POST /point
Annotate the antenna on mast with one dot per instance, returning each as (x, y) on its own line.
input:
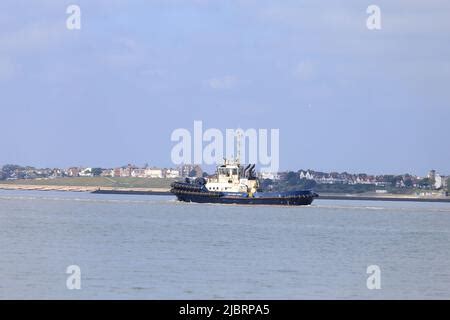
(239, 138)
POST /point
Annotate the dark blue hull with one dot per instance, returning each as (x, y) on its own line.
(200, 195)
(252, 201)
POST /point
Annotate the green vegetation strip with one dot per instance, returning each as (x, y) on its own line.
(119, 182)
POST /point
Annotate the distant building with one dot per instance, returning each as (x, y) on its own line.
(107, 173)
(187, 169)
(269, 175)
(55, 173)
(306, 175)
(138, 173)
(116, 172)
(126, 171)
(86, 172)
(432, 174)
(439, 181)
(73, 172)
(171, 173)
(153, 173)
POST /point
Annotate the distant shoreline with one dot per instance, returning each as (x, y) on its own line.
(166, 192)
(383, 198)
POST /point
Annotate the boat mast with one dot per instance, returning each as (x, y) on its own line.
(238, 136)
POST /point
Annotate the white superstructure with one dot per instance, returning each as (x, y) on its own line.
(232, 177)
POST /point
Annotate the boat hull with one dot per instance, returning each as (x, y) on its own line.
(293, 198)
(247, 201)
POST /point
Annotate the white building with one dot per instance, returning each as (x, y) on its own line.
(153, 173)
(306, 175)
(172, 173)
(138, 173)
(438, 181)
(269, 175)
(86, 172)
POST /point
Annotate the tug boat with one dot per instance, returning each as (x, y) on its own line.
(235, 184)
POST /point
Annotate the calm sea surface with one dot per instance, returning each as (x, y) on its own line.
(153, 247)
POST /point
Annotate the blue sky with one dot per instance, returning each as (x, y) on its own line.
(345, 98)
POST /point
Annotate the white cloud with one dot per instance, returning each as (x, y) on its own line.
(222, 83)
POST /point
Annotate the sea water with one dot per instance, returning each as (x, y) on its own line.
(154, 247)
